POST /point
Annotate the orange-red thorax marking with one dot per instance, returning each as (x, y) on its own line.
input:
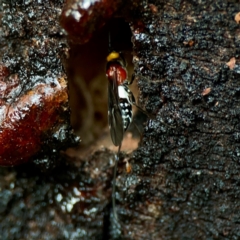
(116, 72)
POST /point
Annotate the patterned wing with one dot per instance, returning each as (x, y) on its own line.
(115, 120)
(126, 99)
(126, 110)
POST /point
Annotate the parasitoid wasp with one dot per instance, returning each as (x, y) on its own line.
(120, 114)
(120, 101)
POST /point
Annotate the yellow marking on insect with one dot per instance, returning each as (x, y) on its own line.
(113, 55)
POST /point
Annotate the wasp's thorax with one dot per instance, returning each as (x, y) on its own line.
(116, 68)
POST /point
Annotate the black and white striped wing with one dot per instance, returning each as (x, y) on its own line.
(126, 110)
(115, 120)
(126, 100)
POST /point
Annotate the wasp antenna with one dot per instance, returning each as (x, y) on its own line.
(114, 185)
(109, 43)
(132, 79)
(143, 111)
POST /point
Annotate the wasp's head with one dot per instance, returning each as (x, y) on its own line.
(116, 57)
(116, 68)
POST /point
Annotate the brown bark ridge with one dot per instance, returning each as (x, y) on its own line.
(185, 181)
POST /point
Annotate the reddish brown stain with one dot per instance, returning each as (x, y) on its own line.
(206, 91)
(231, 63)
(82, 19)
(190, 43)
(153, 8)
(24, 121)
(237, 18)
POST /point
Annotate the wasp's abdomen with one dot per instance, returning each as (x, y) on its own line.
(126, 109)
(125, 105)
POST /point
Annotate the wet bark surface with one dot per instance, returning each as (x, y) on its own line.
(184, 182)
(33, 85)
(188, 175)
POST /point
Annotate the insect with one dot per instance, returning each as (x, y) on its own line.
(120, 114)
(120, 101)
(120, 97)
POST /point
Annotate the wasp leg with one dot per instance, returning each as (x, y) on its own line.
(133, 102)
(143, 111)
(140, 133)
(151, 116)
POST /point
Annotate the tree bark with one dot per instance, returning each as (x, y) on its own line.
(185, 180)
(187, 169)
